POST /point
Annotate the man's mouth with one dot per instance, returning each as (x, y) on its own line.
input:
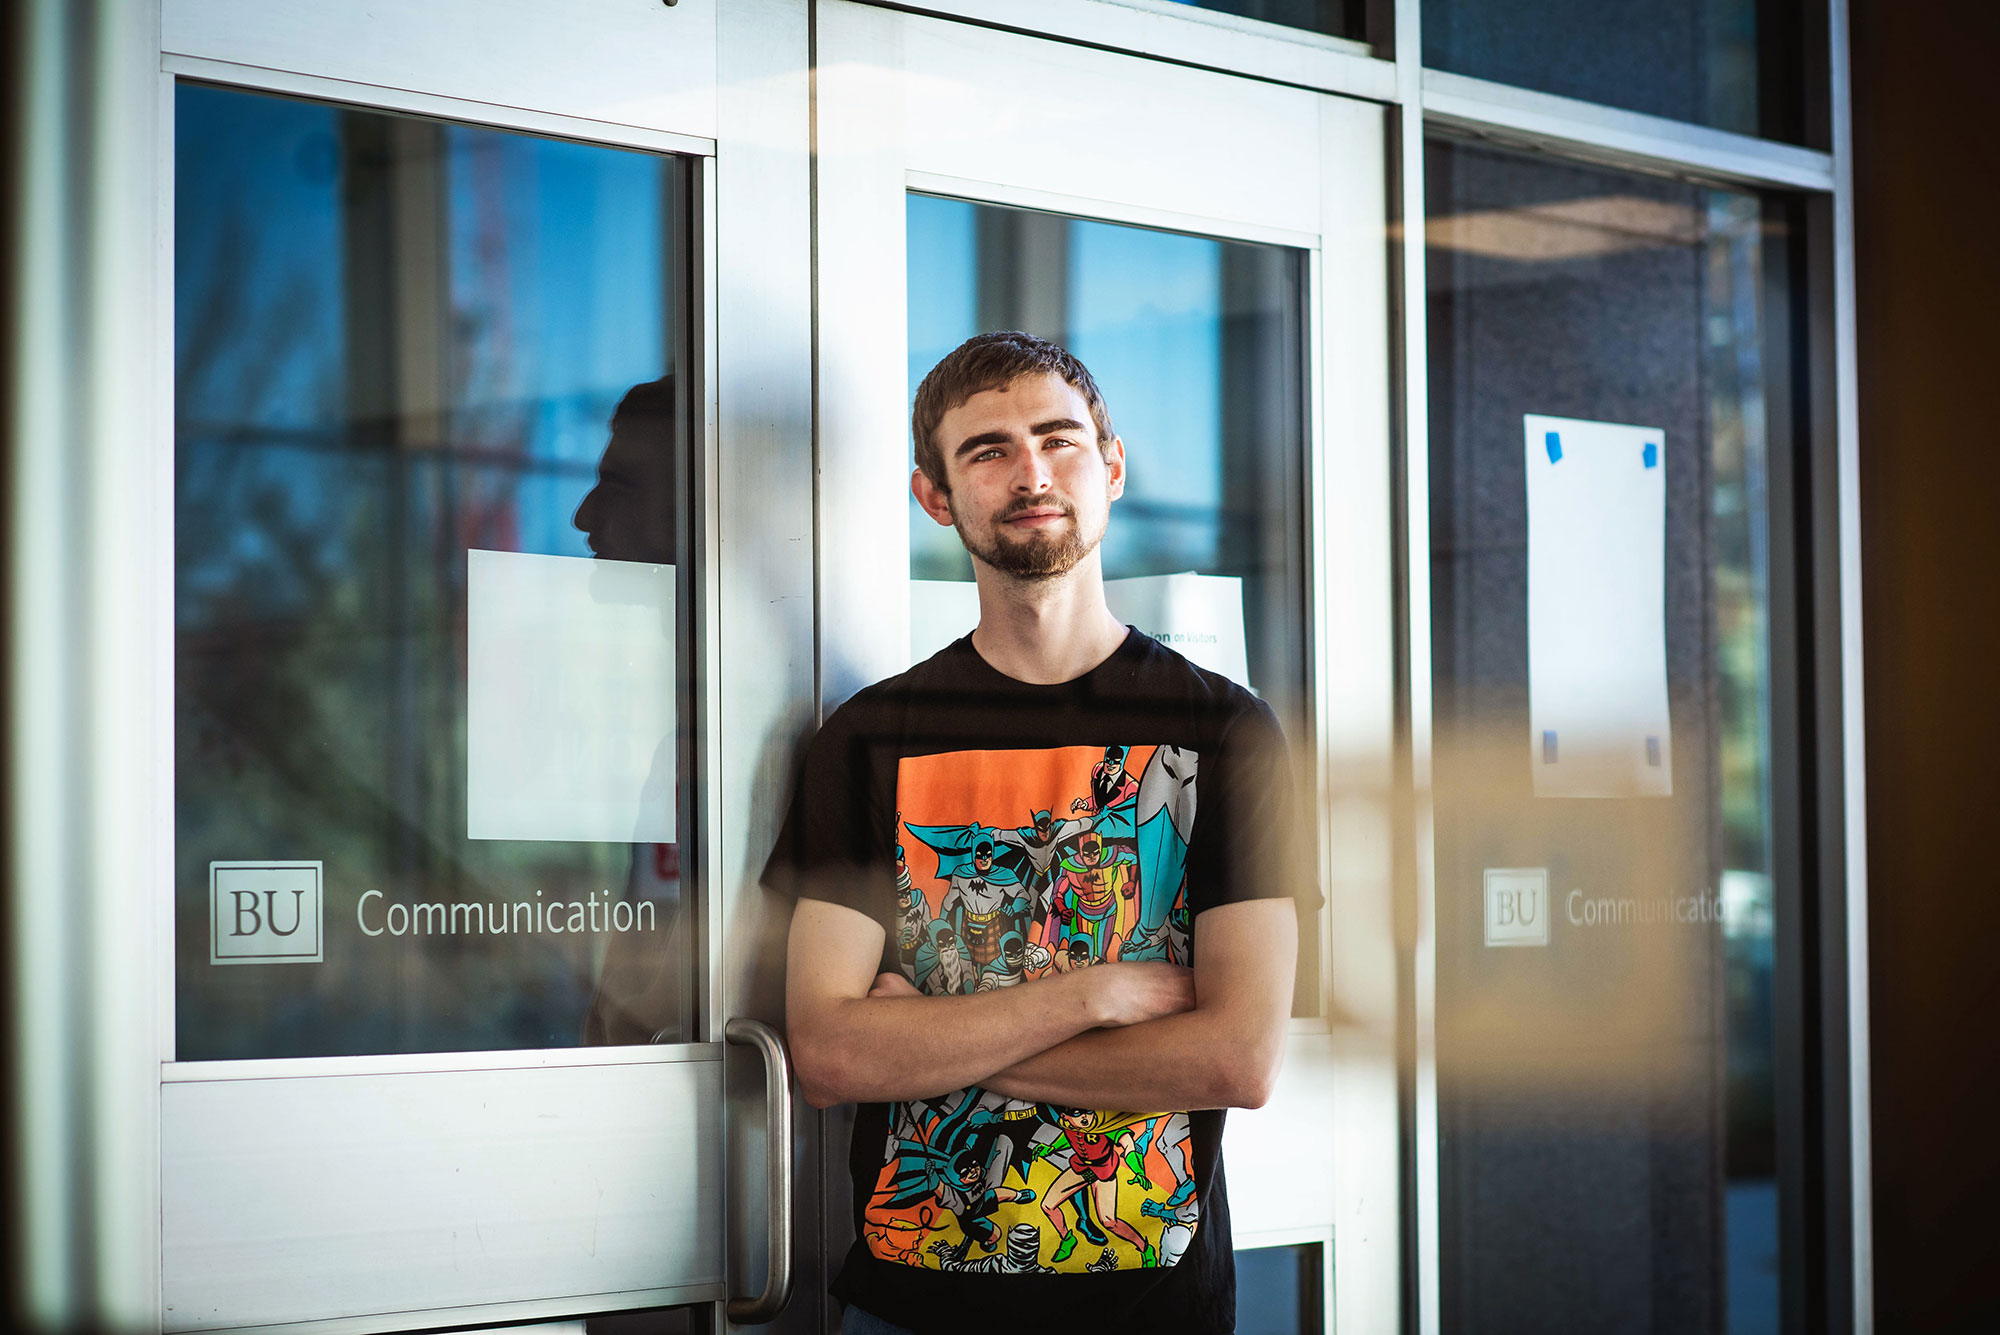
(1039, 516)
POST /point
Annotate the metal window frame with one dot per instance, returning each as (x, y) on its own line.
(1837, 1266)
(88, 700)
(1357, 1110)
(694, 253)
(1183, 35)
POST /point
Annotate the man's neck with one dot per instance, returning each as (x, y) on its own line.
(1046, 631)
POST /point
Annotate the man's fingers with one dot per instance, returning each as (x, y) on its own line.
(892, 985)
(1178, 993)
(1140, 991)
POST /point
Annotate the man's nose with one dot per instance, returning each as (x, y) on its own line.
(586, 517)
(1033, 474)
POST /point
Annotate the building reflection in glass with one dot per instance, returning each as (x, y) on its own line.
(399, 342)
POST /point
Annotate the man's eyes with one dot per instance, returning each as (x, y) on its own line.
(996, 452)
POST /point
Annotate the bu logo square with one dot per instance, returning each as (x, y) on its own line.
(1517, 906)
(265, 913)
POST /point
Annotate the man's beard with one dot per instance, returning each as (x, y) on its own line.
(1040, 556)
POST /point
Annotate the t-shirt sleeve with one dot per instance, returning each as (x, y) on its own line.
(833, 843)
(1249, 836)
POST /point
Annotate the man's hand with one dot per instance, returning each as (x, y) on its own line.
(893, 985)
(859, 1036)
(1133, 993)
(1224, 1053)
(1120, 994)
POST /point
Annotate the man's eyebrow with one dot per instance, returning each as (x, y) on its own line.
(985, 438)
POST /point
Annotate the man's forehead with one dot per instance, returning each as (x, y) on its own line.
(1016, 405)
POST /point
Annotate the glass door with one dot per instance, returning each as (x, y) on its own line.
(453, 968)
(1621, 872)
(1215, 250)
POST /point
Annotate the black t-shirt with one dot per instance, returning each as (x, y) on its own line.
(1000, 830)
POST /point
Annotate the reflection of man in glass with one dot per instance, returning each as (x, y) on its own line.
(631, 515)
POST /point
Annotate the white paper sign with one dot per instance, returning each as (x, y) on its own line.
(1597, 652)
(569, 699)
(1200, 617)
(941, 610)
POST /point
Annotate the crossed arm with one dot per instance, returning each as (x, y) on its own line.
(1122, 1035)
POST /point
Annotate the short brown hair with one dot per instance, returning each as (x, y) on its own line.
(989, 361)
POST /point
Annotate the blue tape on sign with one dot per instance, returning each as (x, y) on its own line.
(1554, 441)
(1653, 752)
(1652, 455)
(1549, 748)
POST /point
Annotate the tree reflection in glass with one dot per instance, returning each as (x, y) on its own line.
(398, 342)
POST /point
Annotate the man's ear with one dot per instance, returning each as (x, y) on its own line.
(935, 500)
(1114, 468)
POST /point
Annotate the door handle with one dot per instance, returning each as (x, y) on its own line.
(777, 1171)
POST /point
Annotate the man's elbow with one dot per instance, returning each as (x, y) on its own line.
(823, 1075)
(821, 1088)
(1247, 1089)
(1249, 1074)
(819, 1096)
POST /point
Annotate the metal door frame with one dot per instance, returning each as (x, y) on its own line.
(744, 84)
(908, 103)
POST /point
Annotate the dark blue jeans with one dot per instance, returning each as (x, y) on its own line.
(857, 1322)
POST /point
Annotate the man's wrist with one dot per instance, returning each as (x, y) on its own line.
(1088, 996)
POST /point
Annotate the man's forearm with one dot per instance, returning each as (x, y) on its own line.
(862, 1043)
(1223, 1053)
(1199, 1059)
(874, 1049)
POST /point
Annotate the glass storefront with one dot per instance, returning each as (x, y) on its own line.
(1736, 65)
(432, 589)
(1611, 378)
(472, 752)
(1198, 346)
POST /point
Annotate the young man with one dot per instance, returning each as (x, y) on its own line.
(1070, 1106)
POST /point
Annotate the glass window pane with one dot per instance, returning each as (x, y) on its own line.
(1278, 1290)
(1198, 346)
(1610, 385)
(1737, 65)
(431, 586)
(1336, 18)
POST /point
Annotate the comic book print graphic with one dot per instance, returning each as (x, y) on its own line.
(1010, 865)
